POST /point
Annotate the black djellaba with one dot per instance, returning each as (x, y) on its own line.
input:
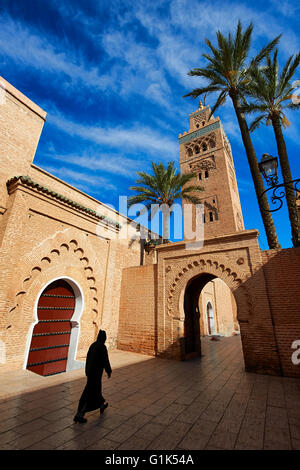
(96, 361)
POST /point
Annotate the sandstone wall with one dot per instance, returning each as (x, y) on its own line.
(282, 273)
(138, 322)
(44, 240)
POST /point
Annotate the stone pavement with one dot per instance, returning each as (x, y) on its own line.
(157, 404)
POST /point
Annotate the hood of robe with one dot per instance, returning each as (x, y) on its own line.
(101, 338)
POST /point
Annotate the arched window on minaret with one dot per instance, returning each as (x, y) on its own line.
(197, 150)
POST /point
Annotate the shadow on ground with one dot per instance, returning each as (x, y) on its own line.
(209, 402)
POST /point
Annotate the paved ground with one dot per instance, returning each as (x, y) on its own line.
(205, 403)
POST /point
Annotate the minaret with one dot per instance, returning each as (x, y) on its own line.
(205, 150)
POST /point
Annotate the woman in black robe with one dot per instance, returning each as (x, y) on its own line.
(96, 361)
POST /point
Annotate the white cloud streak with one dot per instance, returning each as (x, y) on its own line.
(92, 180)
(125, 139)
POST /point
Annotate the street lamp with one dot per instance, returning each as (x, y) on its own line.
(268, 166)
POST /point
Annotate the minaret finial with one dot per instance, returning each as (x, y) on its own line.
(200, 105)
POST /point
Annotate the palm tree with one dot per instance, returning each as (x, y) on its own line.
(163, 188)
(272, 94)
(227, 73)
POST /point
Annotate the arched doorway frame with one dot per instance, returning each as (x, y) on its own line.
(193, 268)
(72, 363)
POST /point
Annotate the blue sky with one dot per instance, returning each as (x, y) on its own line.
(111, 76)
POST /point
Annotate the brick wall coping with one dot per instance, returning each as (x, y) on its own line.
(232, 237)
(27, 181)
(22, 98)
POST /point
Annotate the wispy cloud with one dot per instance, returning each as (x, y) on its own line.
(110, 163)
(137, 137)
(47, 55)
(78, 177)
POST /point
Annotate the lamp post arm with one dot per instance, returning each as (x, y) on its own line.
(277, 197)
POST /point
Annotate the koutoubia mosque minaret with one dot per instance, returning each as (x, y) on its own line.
(205, 150)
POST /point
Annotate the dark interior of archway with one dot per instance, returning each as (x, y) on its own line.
(192, 314)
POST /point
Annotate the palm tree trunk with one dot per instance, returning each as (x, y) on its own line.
(256, 176)
(165, 209)
(287, 177)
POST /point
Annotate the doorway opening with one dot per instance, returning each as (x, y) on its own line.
(209, 310)
(210, 319)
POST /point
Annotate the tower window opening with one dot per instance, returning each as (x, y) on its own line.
(197, 150)
(211, 217)
(200, 176)
(204, 147)
(203, 123)
(206, 174)
(203, 218)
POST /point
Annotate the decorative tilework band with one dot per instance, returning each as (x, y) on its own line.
(199, 132)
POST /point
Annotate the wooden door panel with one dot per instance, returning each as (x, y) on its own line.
(51, 335)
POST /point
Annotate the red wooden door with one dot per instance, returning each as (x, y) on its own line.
(49, 346)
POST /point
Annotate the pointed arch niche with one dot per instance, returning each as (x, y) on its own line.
(43, 357)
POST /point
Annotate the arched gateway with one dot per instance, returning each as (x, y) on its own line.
(195, 315)
(186, 297)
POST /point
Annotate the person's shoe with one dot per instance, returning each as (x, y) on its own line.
(103, 407)
(79, 419)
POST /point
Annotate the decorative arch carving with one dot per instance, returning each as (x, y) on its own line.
(195, 268)
(51, 258)
(201, 144)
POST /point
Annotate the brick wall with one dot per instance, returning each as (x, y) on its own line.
(282, 274)
(137, 319)
(21, 123)
(44, 240)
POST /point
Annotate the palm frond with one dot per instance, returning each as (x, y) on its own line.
(288, 72)
(201, 91)
(256, 122)
(221, 100)
(293, 106)
(250, 108)
(265, 51)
